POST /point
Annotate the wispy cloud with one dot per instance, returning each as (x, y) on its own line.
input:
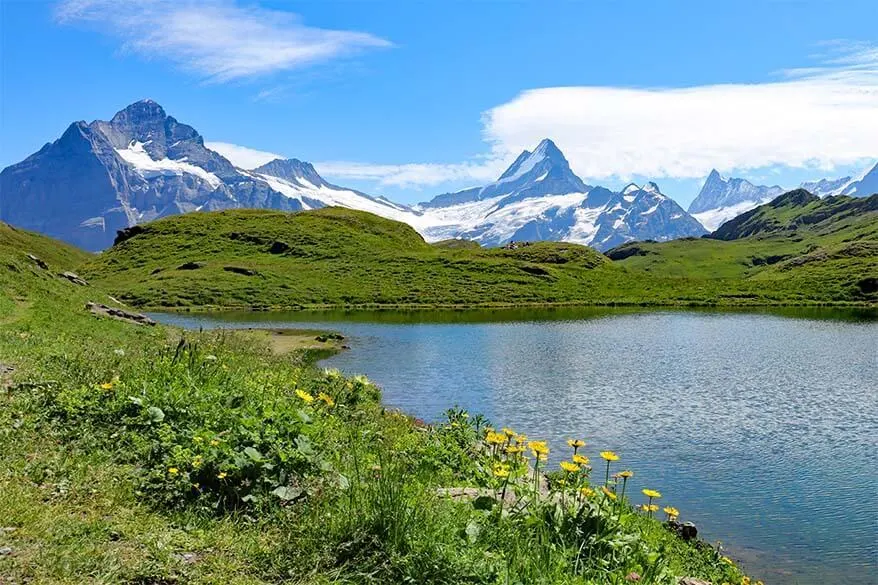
(218, 40)
(816, 118)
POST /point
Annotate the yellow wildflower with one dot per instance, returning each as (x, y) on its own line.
(627, 474)
(569, 467)
(609, 493)
(501, 470)
(539, 447)
(197, 461)
(609, 456)
(196, 486)
(520, 439)
(514, 449)
(727, 561)
(576, 443)
(197, 439)
(651, 494)
(586, 492)
(304, 396)
(671, 512)
(106, 386)
(495, 438)
(173, 470)
(580, 459)
(214, 443)
(221, 475)
(508, 432)
(326, 399)
(745, 580)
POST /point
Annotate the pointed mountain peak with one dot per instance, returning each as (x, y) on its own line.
(630, 188)
(546, 155)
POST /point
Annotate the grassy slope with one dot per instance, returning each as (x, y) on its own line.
(810, 249)
(123, 450)
(335, 257)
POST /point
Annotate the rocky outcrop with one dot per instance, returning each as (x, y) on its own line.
(119, 314)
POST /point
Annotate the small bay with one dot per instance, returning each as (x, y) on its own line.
(761, 427)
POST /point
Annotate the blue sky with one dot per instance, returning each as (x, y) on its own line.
(410, 99)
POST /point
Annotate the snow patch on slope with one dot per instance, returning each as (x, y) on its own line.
(137, 157)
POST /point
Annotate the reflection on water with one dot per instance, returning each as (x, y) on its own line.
(760, 427)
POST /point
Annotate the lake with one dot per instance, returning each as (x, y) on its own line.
(762, 428)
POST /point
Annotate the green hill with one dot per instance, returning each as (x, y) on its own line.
(336, 256)
(809, 247)
(340, 257)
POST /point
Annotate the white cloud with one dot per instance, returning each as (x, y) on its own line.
(216, 39)
(241, 156)
(821, 117)
(818, 118)
(413, 174)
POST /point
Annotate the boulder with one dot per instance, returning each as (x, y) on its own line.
(191, 265)
(119, 314)
(74, 278)
(38, 262)
(240, 270)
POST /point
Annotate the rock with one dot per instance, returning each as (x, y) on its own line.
(474, 494)
(278, 247)
(693, 581)
(5, 550)
(38, 262)
(8, 529)
(688, 531)
(632, 576)
(191, 265)
(128, 317)
(240, 270)
(74, 278)
(128, 233)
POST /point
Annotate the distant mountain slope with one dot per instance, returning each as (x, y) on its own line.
(721, 199)
(141, 165)
(540, 198)
(862, 186)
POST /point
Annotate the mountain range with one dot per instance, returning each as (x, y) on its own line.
(104, 176)
(722, 199)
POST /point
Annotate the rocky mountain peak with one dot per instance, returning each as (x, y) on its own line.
(293, 170)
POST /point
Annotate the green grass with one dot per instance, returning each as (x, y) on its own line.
(336, 257)
(146, 455)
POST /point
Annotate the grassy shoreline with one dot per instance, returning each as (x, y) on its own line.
(154, 456)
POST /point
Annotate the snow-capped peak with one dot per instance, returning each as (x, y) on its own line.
(630, 188)
(651, 187)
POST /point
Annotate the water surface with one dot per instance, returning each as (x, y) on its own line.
(762, 428)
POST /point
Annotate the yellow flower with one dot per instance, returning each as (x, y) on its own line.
(576, 443)
(221, 475)
(197, 439)
(609, 456)
(326, 398)
(173, 470)
(495, 438)
(197, 461)
(514, 449)
(610, 494)
(508, 432)
(304, 396)
(196, 486)
(727, 561)
(652, 494)
(501, 470)
(652, 508)
(671, 511)
(214, 443)
(539, 447)
(627, 474)
(569, 467)
(520, 439)
(580, 459)
(745, 580)
(107, 386)
(586, 492)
